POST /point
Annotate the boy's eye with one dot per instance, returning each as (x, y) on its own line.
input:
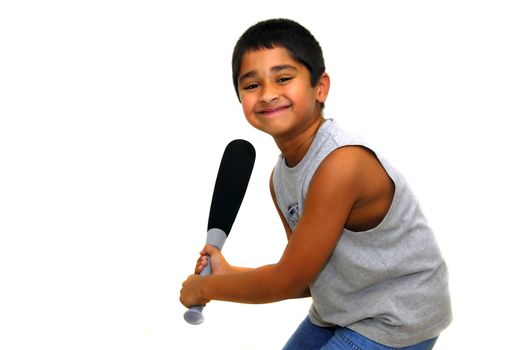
(251, 86)
(283, 79)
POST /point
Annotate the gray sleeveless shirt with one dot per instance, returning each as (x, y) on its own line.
(388, 283)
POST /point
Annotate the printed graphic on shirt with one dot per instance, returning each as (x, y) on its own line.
(293, 215)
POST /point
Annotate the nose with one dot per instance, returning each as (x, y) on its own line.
(269, 93)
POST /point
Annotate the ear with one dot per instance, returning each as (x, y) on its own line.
(322, 88)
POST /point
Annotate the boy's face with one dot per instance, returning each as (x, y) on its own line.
(276, 93)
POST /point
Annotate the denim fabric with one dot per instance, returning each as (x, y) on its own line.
(311, 337)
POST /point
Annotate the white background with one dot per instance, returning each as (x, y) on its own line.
(113, 119)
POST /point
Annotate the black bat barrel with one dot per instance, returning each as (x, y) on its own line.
(231, 183)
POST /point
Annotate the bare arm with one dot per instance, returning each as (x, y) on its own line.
(332, 194)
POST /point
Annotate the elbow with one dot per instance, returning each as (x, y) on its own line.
(292, 284)
(298, 289)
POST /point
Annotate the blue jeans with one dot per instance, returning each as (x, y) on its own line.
(311, 337)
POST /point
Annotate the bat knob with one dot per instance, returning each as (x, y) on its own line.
(194, 315)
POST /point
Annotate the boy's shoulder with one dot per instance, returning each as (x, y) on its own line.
(333, 138)
(342, 136)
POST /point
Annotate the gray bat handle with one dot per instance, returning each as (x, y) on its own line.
(215, 237)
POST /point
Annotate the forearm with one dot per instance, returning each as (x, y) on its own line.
(265, 284)
(236, 269)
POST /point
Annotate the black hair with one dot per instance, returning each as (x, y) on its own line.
(280, 32)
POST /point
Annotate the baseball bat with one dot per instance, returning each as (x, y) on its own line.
(231, 183)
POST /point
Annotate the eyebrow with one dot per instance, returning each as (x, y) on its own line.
(274, 69)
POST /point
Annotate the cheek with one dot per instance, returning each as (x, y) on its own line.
(303, 98)
(300, 91)
(247, 102)
(247, 108)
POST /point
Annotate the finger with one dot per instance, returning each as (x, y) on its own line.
(210, 250)
(200, 259)
(206, 249)
(202, 262)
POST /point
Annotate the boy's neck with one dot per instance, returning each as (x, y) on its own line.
(294, 149)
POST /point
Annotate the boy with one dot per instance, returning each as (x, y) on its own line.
(357, 240)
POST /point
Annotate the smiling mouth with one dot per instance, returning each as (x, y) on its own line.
(272, 111)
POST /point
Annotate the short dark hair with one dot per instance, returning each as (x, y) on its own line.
(280, 32)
